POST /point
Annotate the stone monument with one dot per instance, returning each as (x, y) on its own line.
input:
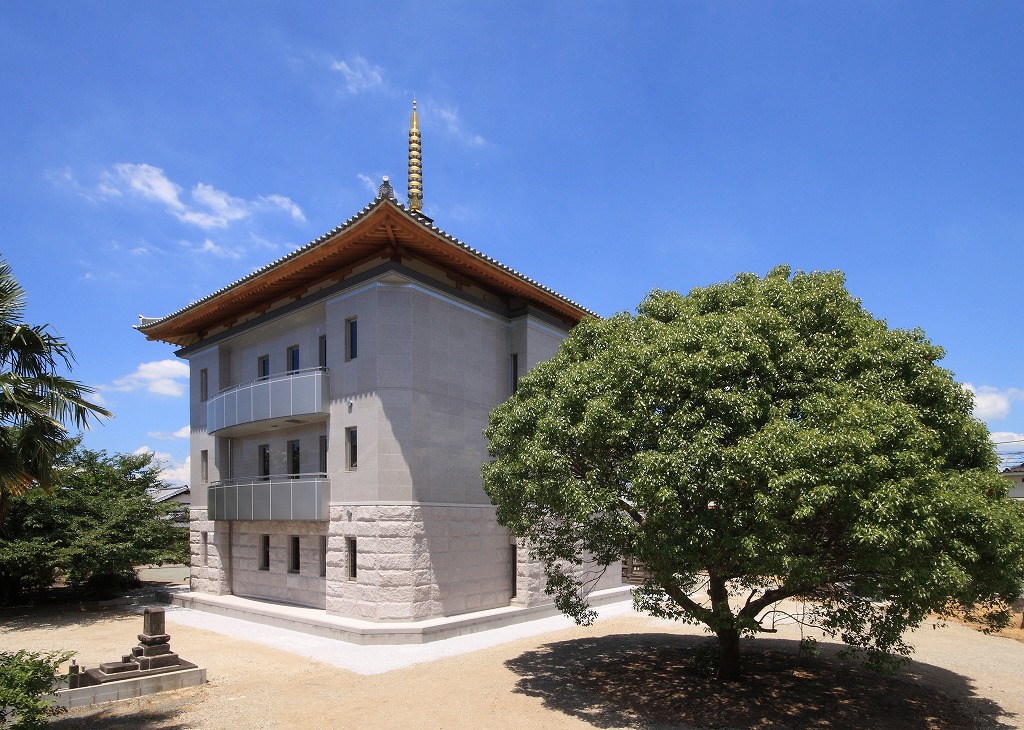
(152, 656)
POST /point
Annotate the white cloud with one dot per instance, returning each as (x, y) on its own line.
(992, 404)
(369, 183)
(215, 250)
(207, 207)
(359, 75)
(145, 181)
(160, 377)
(449, 115)
(171, 471)
(182, 433)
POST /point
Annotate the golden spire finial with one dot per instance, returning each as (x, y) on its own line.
(415, 163)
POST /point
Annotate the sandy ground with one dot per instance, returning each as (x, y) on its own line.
(268, 680)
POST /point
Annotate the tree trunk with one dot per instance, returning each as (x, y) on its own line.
(728, 655)
(725, 629)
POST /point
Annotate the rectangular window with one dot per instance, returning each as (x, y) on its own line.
(264, 457)
(294, 461)
(514, 559)
(204, 466)
(323, 454)
(204, 541)
(322, 350)
(323, 555)
(515, 373)
(204, 385)
(350, 545)
(293, 358)
(264, 552)
(294, 557)
(351, 339)
(262, 367)
(351, 449)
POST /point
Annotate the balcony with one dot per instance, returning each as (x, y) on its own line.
(287, 399)
(276, 497)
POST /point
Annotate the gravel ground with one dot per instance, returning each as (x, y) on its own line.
(269, 678)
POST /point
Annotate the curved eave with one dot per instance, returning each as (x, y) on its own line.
(383, 228)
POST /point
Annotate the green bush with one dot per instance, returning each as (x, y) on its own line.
(26, 678)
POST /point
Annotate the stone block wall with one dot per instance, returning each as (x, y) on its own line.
(417, 562)
(305, 588)
(209, 546)
(531, 579)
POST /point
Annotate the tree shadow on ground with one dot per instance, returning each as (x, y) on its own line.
(63, 618)
(160, 711)
(646, 680)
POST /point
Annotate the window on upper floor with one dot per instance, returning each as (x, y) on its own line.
(351, 449)
(262, 367)
(264, 460)
(515, 372)
(294, 459)
(322, 351)
(351, 339)
(204, 384)
(293, 358)
(323, 454)
(204, 466)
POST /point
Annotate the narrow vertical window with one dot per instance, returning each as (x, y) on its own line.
(204, 540)
(262, 367)
(323, 555)
(264, 457)
(322, 350)
(351, 449)
(264, 552)
(351, 339)
(293, 358)
(204, 384)
(204, 466)
(323, 454)
(294, 460)
(294, 557)
(515, 372)
(513, 559)
(350, 544)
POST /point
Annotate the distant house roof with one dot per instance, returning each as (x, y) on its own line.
(1019, 469)
(162, 495)
(384, 227)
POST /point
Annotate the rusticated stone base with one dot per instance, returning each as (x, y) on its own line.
(417, 562)
(413, 562)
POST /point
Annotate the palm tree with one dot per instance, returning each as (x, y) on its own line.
(35, 402)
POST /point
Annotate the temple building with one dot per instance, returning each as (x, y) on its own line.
(338, 397)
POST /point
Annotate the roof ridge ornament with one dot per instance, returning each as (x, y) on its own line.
(415, 163)
(386, 191)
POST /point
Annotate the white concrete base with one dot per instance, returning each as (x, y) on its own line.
(318, 623)
(127, 688)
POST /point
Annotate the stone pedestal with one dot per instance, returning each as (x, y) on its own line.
(153, 655)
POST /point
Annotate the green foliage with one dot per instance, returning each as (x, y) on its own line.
(25, 679)
(97, 523)
(765, 438)
(35, 401)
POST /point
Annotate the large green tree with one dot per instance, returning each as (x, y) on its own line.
(36, 401)
(765, 438)
(98, 522)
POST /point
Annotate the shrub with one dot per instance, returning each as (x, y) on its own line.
(26, 678)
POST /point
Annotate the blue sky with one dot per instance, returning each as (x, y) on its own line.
(151, 153)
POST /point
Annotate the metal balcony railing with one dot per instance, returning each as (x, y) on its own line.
(274, 497)
(284, 395)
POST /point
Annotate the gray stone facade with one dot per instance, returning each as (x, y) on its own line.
(393, 444)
